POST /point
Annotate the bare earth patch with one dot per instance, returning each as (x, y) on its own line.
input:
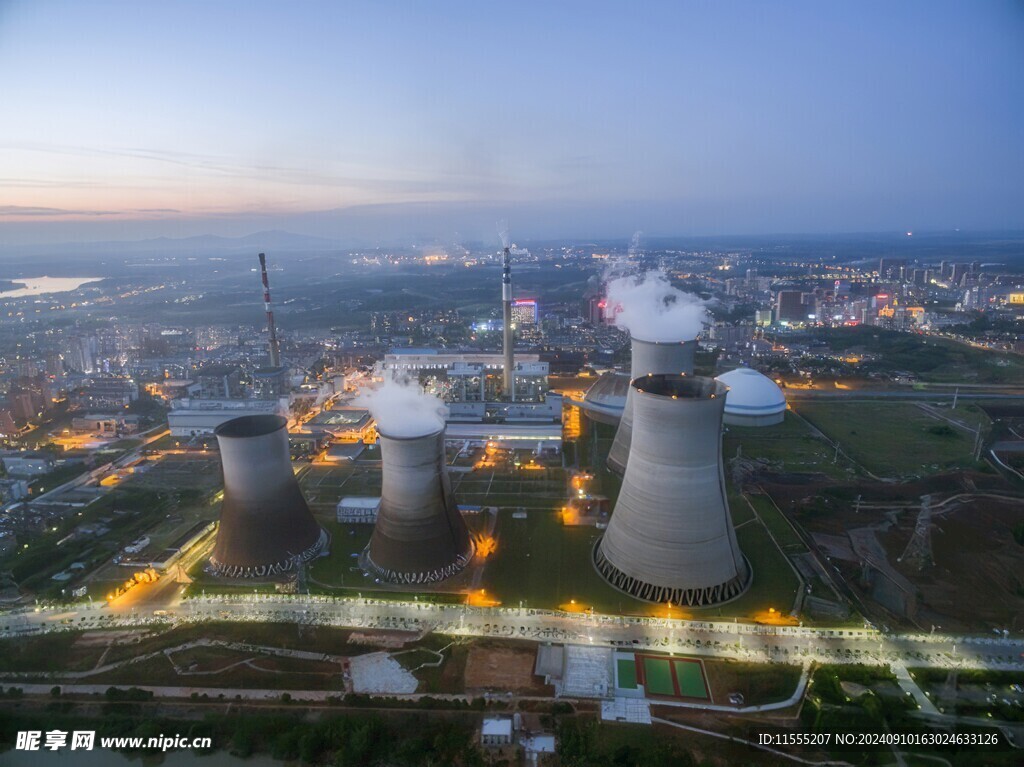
(504, 668)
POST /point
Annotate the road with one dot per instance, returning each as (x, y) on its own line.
(751, 642)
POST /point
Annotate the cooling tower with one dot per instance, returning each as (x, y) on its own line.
(265, 525)
(419, 536)
(670, 538)
(648, 357)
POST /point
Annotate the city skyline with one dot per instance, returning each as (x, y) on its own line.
(387, 123)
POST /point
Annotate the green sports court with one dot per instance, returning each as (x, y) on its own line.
(668, 677)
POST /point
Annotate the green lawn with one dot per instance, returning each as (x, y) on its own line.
(337, 569)
(547, 565)
(658, 677)
(790, 446)
(739, 509)
(626, 673)
(775, 584)
(543, 489)
(690, 678)
(777, 524)
(890, 438)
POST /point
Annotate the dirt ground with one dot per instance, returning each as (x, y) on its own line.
(976, 580)
(504, 668)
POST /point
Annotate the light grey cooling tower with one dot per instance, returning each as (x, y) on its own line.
(648, 357)
(266, 527)
(420, 536)
(670, 538)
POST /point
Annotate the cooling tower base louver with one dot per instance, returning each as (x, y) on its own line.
(277, 568)
(648, 592)
(432, 576)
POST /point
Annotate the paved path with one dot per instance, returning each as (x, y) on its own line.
(907, 684)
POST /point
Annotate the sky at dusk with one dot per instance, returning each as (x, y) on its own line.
(382, 121)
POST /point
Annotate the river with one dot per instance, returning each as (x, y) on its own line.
(37, 286)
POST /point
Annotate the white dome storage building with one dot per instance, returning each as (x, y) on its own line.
(753, 399)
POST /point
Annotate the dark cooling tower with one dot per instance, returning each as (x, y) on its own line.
(419, 537)
(670, 538)
(265, 525)
(648, 357)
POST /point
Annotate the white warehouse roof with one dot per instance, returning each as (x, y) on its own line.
(751, 393)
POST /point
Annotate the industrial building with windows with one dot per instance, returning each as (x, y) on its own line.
(190, 417)
(468, 377)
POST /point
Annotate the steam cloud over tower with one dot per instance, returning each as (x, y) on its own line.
(419, 536)
(670, 538)
(663, 322)
(266, 527)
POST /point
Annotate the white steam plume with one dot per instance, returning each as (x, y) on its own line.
(403, 409)
(636, 246)
(506, 241)
(652, 310)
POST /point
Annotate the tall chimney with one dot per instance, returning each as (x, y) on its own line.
(506, 310)
(275, 349)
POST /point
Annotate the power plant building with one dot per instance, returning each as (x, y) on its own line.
(191, 417)
(419, 535)
(753, 399)
(266, 528)
(469, 377)
(357, 510)
(670, 537)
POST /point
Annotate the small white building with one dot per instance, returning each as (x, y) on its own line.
(496, 731)
(354, 509)
(753, 399)
(537, 744)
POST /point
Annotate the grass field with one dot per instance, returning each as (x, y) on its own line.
(340, 568)
(891, 438)
(757, 682)
(775, 583)
(739, 509)
(626, 677)
(777, 525)
(326, 484)
(672, 677)
(658, 677)
(790, 445)
(690, 679)
(547, 565)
